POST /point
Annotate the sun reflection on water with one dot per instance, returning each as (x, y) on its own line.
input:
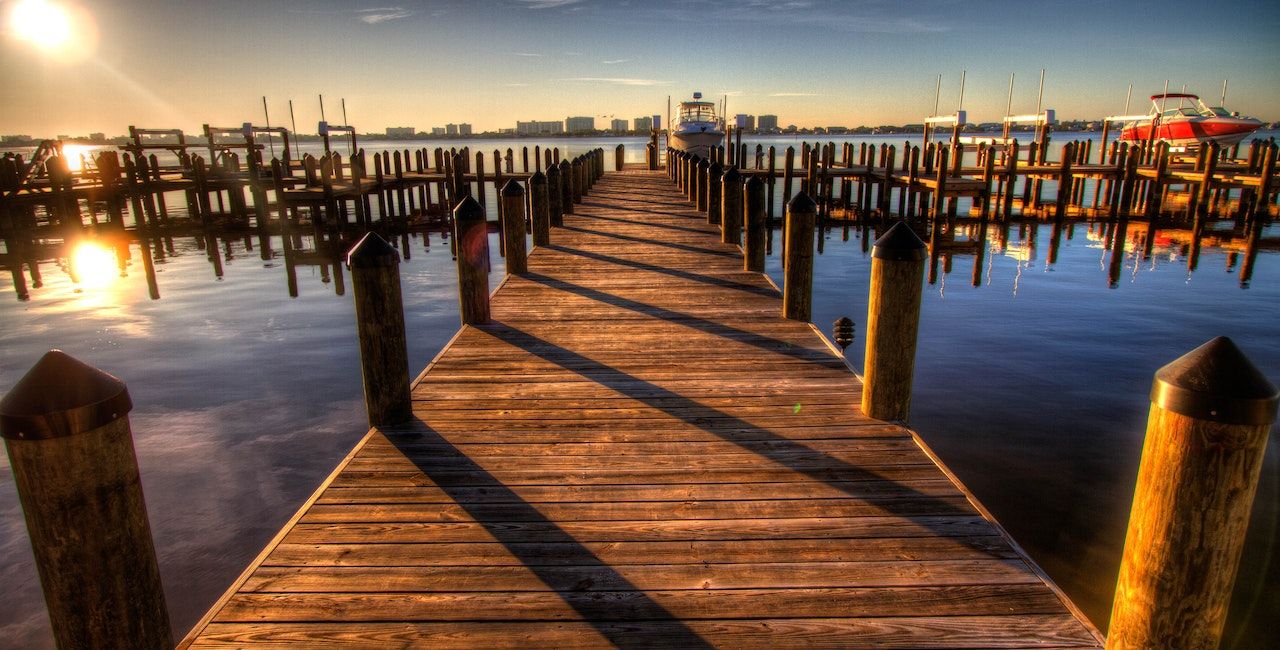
(93, 266)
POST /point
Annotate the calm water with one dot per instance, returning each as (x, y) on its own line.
(1032, 386)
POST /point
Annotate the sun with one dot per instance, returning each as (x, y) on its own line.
(46, 25)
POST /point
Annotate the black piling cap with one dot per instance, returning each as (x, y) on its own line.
(703, 163)
(802, 203)
(61, 396)
(716, 169)
(372, 251)
(843, 329)
(754, 183)
(564, 164)
(538, 178)
(1218, 383)
(731, 175)
(512, 188)
(469, 208)
(899, 244)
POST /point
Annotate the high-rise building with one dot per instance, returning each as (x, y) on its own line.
(539, 128)
(767, 123)
(643, 124)
(744, 122)
(451, 129)
(401, 132)
(464, 129)
(657, 121)
(579, 124)
(437, 130)
(618, 126)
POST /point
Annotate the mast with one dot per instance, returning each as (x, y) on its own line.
(267, 116)
(1008, 106)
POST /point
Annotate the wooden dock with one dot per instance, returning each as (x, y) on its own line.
(638, 450)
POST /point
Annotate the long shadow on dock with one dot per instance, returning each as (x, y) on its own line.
(647, 224)
(945, 518)
(573, 570)
(609, 259)
(652, 242)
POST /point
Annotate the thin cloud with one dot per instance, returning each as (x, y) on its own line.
(526, 54)
(382, 14)
(547, 4)
(515, 85)
(795, 94)
(614, 61)
(732, 93)
(618, 81)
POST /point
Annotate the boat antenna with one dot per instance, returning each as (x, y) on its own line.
(1184, 91)
(668, 120)
(322, 108)
(1008, 107)
(1223, 101)
(936, 95)
(1040, 97)
(960, 107)
(1164, 97)
(344, 112)
(292, 121)
(267, 116)
(1128, 96)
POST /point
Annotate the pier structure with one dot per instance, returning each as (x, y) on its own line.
(638, 439)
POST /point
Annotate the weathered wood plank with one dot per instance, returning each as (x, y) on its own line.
(638, 450)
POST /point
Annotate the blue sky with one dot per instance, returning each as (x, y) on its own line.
(490, 62)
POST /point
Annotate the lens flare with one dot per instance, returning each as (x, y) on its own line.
(62, 32)
(93, 265)
(44, 24)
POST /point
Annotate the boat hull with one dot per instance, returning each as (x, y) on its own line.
(699, 142)
(1191, 133)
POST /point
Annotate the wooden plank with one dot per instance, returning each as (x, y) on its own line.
(638, 450)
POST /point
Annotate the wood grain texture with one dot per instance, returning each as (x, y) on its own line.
(638, 450)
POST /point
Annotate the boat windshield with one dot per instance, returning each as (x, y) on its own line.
(697, 112)
(1180, 112)
(1216, 111)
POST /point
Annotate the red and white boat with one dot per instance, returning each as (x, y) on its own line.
(1189, 123)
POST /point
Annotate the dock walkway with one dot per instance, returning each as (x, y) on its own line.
(638, 450)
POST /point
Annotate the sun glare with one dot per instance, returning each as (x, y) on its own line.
(43, 23)
(93, 265)
(65, 31)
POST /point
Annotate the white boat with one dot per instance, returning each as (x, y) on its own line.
(1189, 126)
(697, 128)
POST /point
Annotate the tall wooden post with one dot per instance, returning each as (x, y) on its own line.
(513, 218)
(730, 199)
(471, 236)
(1211, 412)
(731, 202)
(554, 192)
(704, 179)
(541, 217)
(715, 204)
(566, 188)
(66, 427)
(756, 239)
(797, 288)
(579, 180)
(384, 356)
(893, 321)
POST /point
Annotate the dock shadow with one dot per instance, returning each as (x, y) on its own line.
(558, 560)
(653, 242)
(786, 452)
(676, 273)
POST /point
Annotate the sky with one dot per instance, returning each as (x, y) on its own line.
(424, 63)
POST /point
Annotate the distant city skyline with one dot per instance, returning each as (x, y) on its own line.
(492, 63)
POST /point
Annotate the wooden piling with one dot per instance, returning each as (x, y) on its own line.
(715, 205)
(753, 252)
(555, 193)
(731, 213)
(566, 188)
(797, 289)
(65, 425)
(893, 322)
(471, 236)
(541, 217)
(384, 356)
(619, 157)
(1211, 413)
(513, 233)
(700, 188)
